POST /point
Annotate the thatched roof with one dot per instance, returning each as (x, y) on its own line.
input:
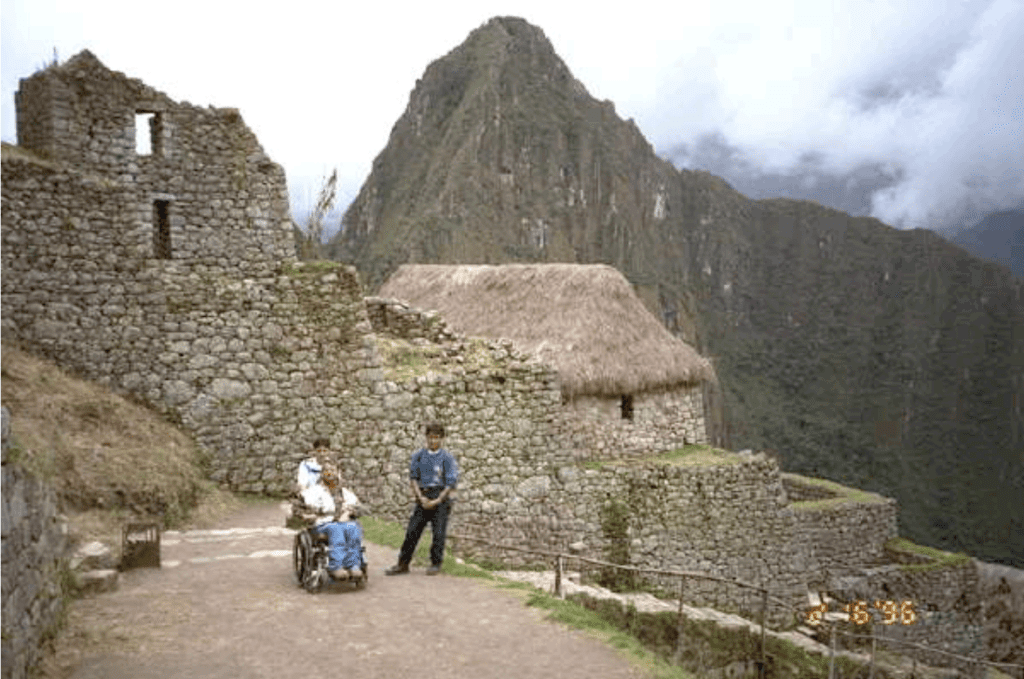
(583, 320)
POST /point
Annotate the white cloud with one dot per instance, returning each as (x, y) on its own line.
(928, 88)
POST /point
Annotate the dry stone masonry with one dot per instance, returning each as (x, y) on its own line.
(169, 273)
(35, 551)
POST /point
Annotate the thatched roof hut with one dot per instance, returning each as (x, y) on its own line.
(584, 320)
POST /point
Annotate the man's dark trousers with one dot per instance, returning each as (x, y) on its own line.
(438, 520)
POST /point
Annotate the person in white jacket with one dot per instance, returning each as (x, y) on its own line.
(319, 496)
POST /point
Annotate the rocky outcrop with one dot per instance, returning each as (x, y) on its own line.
(858, 352)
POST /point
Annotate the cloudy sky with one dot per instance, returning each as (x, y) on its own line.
(911, 111)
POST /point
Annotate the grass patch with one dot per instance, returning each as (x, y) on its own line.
(703, 647)
(99, 450)
(842, 494)
(312, 268)
(403, 360)
(939, 559)
(692, 455)
(572, 613)
(392, 534)
(14, 152)
(698, 455)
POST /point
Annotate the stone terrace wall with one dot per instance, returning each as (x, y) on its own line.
(946, 600)
(846, 530)
(726, 519)
(35, 553)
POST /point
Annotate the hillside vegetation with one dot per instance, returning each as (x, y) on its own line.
(108, 458)
(882, 359)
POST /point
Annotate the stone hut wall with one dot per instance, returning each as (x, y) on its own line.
(660, 421)
(35, 556)
(594, 427)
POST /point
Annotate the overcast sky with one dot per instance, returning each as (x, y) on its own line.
(911, 111)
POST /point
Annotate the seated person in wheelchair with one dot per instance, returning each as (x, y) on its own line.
(318, 492)
(345, 539)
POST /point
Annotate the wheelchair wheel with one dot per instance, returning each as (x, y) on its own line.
(316, 575)
(302, 557)
(361, 583)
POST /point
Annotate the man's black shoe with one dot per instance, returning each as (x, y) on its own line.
(433, 570)
(397, 569)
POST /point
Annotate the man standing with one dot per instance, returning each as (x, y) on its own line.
(433, 475)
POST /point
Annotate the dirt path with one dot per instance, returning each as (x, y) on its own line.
(225, 605)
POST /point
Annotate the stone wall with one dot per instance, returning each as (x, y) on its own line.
(845, 529)
(944, 595)
(197, 307)
(254, 366)
(224, 202)
(727, 518)
(659, 421)
(35, 554)
(255, 354)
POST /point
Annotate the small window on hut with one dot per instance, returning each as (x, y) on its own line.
(626, 407)
(148, 133)
(161, 229)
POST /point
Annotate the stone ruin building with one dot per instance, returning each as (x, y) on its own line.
(630, 385)
(167, 271)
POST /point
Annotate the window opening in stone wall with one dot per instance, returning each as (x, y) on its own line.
(161, 229)
(626, 407)
(148, 133)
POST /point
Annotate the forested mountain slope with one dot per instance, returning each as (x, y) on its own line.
(889, 360)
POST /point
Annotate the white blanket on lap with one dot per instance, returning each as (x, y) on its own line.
(319, 499)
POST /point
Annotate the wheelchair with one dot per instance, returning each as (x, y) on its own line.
(310, 558)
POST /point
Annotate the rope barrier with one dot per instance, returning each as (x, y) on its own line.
(560, 557)
(931, 649)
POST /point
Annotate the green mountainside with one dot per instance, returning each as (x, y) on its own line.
(887, 360)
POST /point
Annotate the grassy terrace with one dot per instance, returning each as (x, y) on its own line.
(841, 494)
(938, 558)
(403, 360)
(694, 455)
(312, 268)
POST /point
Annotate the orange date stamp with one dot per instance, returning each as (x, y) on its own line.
(860, 613)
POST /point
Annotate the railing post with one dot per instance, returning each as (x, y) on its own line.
(871, 671)
(832, 652)
(558, 577)
(764, 617)
(679, 622)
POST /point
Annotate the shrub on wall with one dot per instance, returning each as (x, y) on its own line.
(615, 528)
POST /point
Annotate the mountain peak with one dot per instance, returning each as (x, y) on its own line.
(468, 169)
